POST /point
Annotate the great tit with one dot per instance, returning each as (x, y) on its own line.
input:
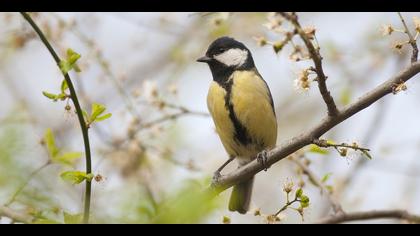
(242, 109)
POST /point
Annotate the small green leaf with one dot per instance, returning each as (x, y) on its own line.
(64, 86)
(97, 109)
(68, 158)
(50, 95)
(104, 117)
(65, 66)
(316, 149)
(326, 177)
(75, 177)
(72, 56)
(72, 218)
(367, 154)
(50, 142)
(70, 63)
(61, 96)
(304, 201)
(299, 193)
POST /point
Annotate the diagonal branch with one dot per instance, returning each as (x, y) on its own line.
(369, 215)
(280, 152)
(412, 41)
(317, 59)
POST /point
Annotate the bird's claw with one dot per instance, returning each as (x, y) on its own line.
(216, 176)
(262, 158)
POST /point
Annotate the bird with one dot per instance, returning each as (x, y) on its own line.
(242, 108)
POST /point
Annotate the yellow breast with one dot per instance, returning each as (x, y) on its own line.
(250, 100)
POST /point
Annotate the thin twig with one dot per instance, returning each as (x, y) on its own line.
(369, 215)
(336, 206)
(317, 59)
(325, 144)
(78, 111)
(412, 40)
(28, 179)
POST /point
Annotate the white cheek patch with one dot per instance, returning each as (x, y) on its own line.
(232, 57)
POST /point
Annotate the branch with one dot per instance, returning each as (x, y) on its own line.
(336, 206)
(14, 215)
(280, 152)
(79, 113)
(317, 59)
(412, 41)
(369, 215)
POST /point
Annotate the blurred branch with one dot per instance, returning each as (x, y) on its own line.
(280, 152)
(79, 112)
(28, 179)
(412, 41)
(14, 215)
(317, 59)
(369, 215)
(336, 206)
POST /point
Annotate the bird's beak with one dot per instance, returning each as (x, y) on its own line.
(204, 59)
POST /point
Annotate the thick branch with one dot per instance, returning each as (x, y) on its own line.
(79, 112)
(306, 138)
(317, 59)
(14, 215)
(369, 215)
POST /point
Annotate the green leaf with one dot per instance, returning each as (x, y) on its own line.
(68, 158)
(72, 218)
(50, 142)
(70, 63)
(64, 86)
(72, 56)
(75, 177)
(304, 201)
(50, 95)
(61, 96)
(97, 109)
(104, 117)
(326, 177)
(367, 154)
(65, 66)
(298, 193)
(316, 149)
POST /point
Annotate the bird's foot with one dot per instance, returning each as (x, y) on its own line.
(262, 158)
(216, 176)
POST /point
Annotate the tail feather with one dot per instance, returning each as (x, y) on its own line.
(240, 198)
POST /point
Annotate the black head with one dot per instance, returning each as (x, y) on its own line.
(226, 53)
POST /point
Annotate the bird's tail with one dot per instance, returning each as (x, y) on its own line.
(240, 197)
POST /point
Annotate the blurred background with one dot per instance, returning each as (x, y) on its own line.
(160, 144)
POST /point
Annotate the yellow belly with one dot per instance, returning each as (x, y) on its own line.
(252, 106)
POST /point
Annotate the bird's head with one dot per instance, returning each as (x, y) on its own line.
(228, 53)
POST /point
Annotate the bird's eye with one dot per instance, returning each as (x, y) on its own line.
(221, 50)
